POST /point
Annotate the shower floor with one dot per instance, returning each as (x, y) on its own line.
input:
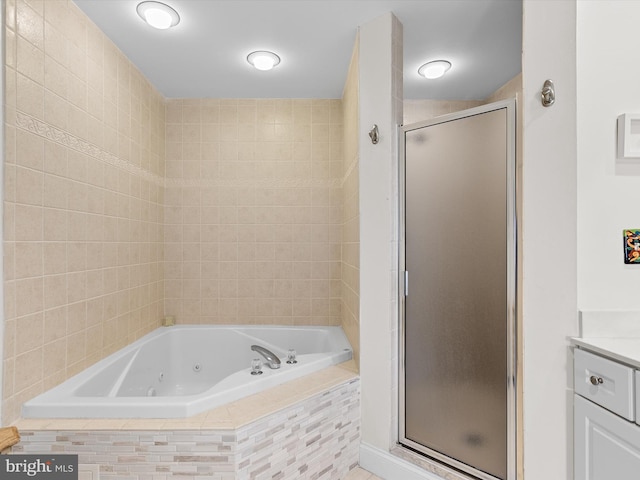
(473, 431)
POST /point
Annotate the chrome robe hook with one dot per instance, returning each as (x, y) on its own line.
(373, 134)
(548, 94)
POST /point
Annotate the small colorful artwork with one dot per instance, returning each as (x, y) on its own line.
(631, 246)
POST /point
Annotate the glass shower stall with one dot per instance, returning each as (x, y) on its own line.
(458, 290)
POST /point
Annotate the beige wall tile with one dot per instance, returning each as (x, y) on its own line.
(55, 44)
(55, 324)
(54, 257)
(29, 96)
(28, 369)
(29, 332)
(236, 232)
(28, 258)
(75, 217)
(28, 223)
(29, 150)
(54, 355)
(30, 24)
(30, 60)
(31, 186)
(349, 287)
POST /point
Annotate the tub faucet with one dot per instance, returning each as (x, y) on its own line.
(272, 359)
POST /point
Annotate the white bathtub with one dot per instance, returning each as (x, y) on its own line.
(180, 371)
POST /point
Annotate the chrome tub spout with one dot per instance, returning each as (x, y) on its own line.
(271, 358)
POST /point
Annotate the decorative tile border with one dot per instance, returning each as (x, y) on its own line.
(54, 134)
(317, 437)
(42, 129)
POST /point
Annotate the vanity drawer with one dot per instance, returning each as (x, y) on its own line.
(604, 382)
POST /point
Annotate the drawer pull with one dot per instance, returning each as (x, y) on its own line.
(595, 380)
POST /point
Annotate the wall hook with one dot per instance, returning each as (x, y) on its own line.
(373, 134)
(548, 94)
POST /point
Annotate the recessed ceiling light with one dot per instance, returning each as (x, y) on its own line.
(158, 15)
(263, 60)
(435, 69)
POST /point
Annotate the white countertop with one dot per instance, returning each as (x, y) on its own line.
(624, 350)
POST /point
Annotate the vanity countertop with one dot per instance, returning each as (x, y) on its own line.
(624, 350)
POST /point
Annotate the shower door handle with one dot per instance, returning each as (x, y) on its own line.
(405, 286)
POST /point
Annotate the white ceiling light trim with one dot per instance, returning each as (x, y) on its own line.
(158, 15)
(435, 69)
(263, 60)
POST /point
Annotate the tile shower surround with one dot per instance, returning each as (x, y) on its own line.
(83, 199)
(242, 223)
(350, 306)
(253, 211)
(317, 437)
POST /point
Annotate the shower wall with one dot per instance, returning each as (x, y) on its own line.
(420, 110)
(511, 89)
(253, 211)
(351, 208)
(83, 216)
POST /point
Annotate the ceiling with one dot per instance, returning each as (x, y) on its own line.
(204, 56)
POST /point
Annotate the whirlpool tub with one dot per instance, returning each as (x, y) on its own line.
(180, 371)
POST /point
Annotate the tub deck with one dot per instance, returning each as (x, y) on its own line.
(306, 428)
(230, 416)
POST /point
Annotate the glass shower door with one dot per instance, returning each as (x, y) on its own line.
(458, 238)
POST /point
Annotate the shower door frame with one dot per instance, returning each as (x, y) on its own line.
(512, 276)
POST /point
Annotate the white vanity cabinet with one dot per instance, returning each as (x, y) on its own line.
(606, 447)
(606, 435)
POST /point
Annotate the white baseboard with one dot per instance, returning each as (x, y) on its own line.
(389, 467)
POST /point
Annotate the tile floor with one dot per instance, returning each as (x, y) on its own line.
(361, 474)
